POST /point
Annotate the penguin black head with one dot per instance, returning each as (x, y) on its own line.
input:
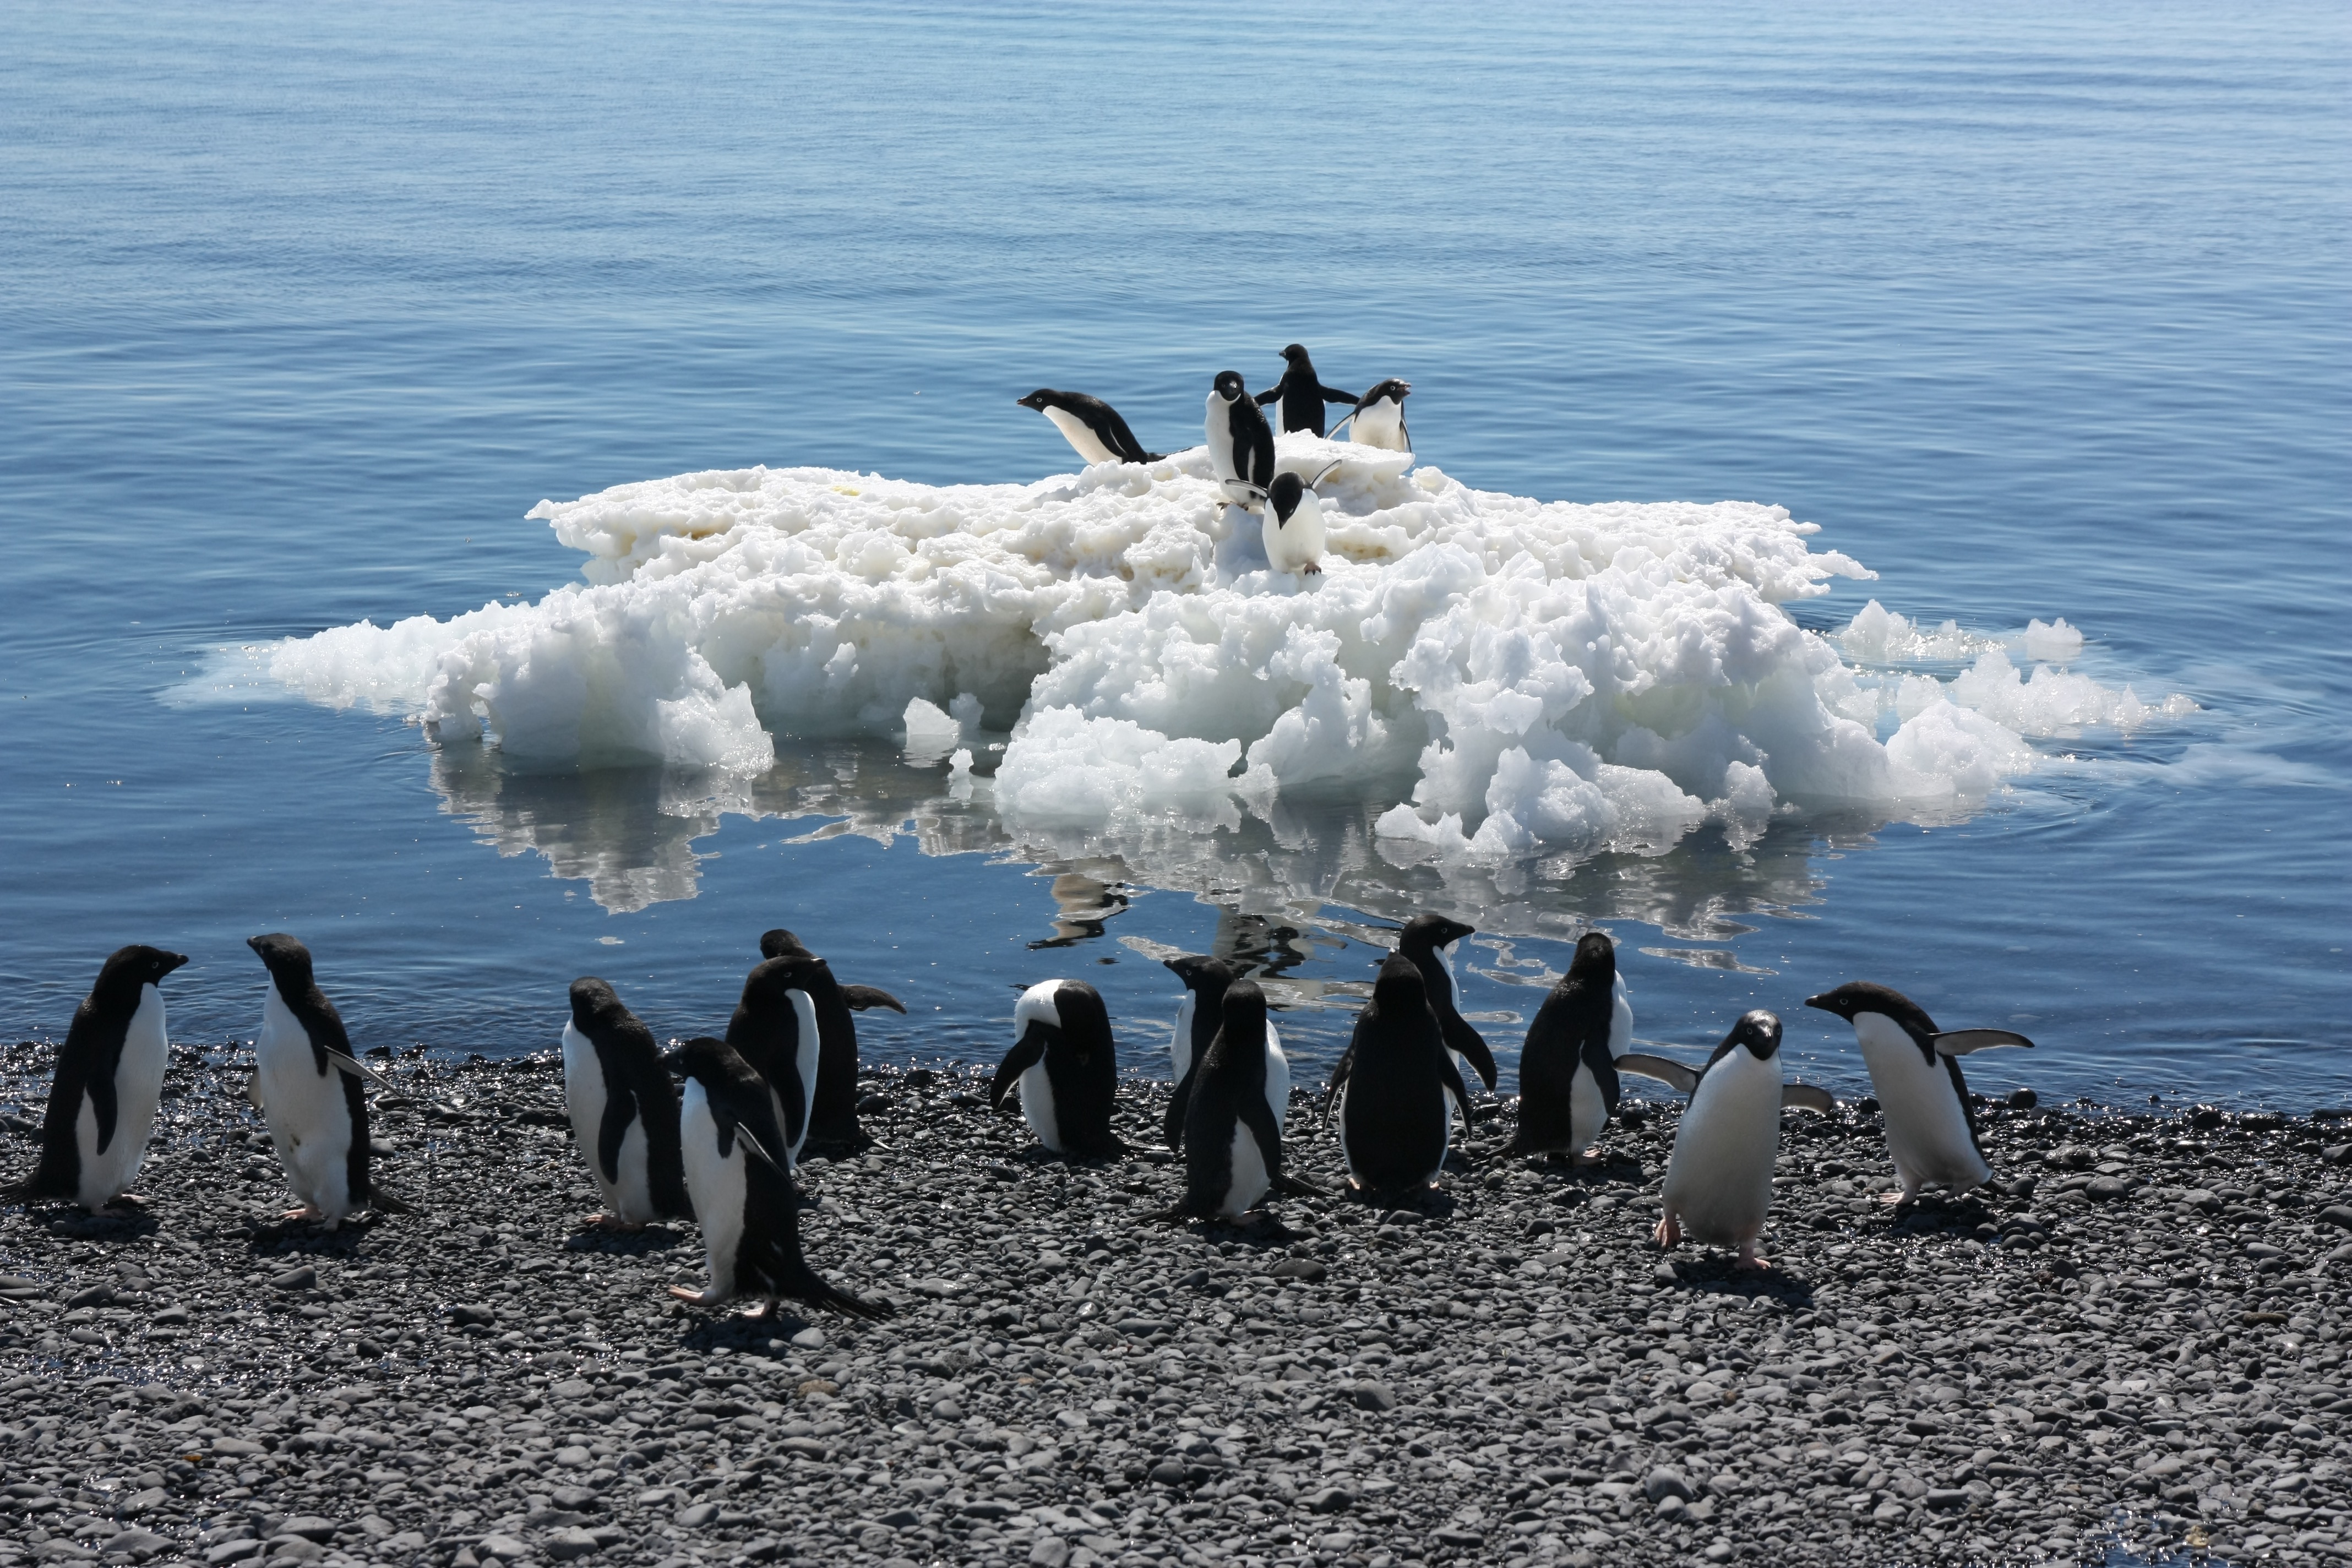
(709, 1061)
(1391, 388)
(1297, 354)
(1040, 400)
(1429, 932)
(1596, 958)
(781, 943)
(772, 980)
(1228, 384)
(288, 961)
(129, 968)
(1862, 996)
(1244, 1011)
(1284, 493)
(1202, 973)
(1399, 987)
(1759, 1032)
(594, 1003)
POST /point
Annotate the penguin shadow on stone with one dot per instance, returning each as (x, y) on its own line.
(1721, 1275)
(119, 1224)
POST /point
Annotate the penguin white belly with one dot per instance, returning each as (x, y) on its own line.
(1621, 1019)
(1927, 1127)
(1037, 1107)
(1179, 1046)
(308, 1121)
(1081, 436)
(1218, 435)
(1719, 1177)
(1379, 424)
(1249, 1181)
(1277, 1079)
(584, 1097)
(633, 1202)
(107, 1174)
(716, 1185)
(804, 1014)
(1588, 1113)
(1295, 545)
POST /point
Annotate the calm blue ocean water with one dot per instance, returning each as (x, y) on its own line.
(2038, 313)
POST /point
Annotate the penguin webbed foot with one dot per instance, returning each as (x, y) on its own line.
(1669, 1232)
(1311, 570)
(698, 1298)
(1752, 1258)
(124, 1200)
(306, 1213)
(607, 1222)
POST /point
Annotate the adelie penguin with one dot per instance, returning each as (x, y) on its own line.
(1915, 1069)
(624, 1111)
(1428, 941)
(1240, 445)
(1719, 1185)
(1294, 527)
(1232, 1139)
(1302, 392)
(1390, 1089)
(308, 1085)
(109, 1077)
(1378, 417)
(1199, 1017)
(1568, 1067)
(1062, 1061)
(742, 1195)
(833, 1105)
(1092, 427)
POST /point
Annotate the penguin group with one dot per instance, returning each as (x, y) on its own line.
(712, 1130)
(1240, 444)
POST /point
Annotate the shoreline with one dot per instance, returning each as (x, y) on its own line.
(2137, 1341)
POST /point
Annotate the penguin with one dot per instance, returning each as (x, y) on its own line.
(1294, 527)
(729, 1146)
(1198, 1018)
(1378, 417)
(774, 1029)
(1241, 446)
(1425, 941)
(1389, 1088)
(1718, 1185)
(309, 1086)
(832, 1108)
(1568, 1067)
(1915, 1069)
(109, 1077)
(624, 1111)
(1302, 392)
(1064, 1063)
(1232, 1139)
(1090, 426)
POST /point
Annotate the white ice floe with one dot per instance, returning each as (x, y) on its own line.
(1543, 675)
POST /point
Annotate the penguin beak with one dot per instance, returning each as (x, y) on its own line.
(1822, 1000)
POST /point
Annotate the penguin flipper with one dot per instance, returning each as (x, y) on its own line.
(620, 1110)
(1339, 1076)
(1026, 1053)
(1473, 1046)
(1458, 1090)
(99, 1088)
(352, 1065)
(1179, 1103)
(864, 998)
(1256, 1115)
(384, 1203)
(1960, 1042)
(1298, 1187)
(1667, 1072)
(1808, 1097)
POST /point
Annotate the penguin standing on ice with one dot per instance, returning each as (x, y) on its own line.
(109, 1078)
(308, 1085)
(1428, 941)
(624, 1111)
(1390, 1087)
(1241, 446)
(1915, 1070)
(1294, 527)
(1718, 1185)
(1378, 417)
(1302, 392)
(742, 1195)
(1092, 427)
(1232, 1139)
(1198, 1019)
(832, 1104)
(1568, 1069)
(1062, 1060)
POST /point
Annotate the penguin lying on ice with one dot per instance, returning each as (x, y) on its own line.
(109, 1078)
(624, 1111)
(1231, 1137)
(1093, 428)
(1568, 1067)
(1915, 1069)
(1066, 1066)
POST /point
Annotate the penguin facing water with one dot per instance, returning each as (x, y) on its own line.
(1240, 445)
(1568, 1067)
(1065, 1065)
(308, 1085)
(1294, 527)
(742, 1193)
(832, 1104)
(1427, 941)
(1389, 1090)
(1092, 427)
(624, 1111)
(1719, 1185)
(109, 1078)
(1232, 1139)
(1302, 392)
(1915, 1069)
(1199, 1017)
(1378, 417)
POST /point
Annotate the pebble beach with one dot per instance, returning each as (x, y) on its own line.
(2136, 1343)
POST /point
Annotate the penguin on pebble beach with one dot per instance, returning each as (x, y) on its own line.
(1199, 1017)
(1915, 1069)
(1065, 1065)
(1389, 1092)
(774, 1030)
(309, 1086)
(1568, 1067)
(1302, 392)
(832, 1103)
(1718, 1185)
(1240, 445)
(1426, 940)
(1232, 1139)
(1093, 428)
(742, 1194)
(108, 1081)
(624, 1111)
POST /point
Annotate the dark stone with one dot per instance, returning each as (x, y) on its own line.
(1663, 1483)
(1330, 1499)
(301, 1277)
